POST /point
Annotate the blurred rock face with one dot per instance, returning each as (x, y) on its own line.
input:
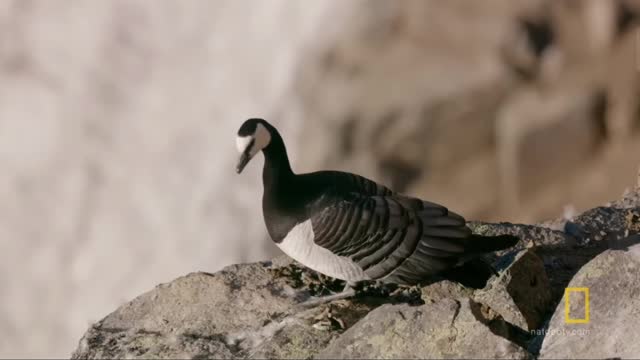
(117, 123)
(409, 86)
(498, 109)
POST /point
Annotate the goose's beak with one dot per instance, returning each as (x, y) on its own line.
(243, 161)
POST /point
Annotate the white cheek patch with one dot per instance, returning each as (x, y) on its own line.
(261, 140)
(242, 142)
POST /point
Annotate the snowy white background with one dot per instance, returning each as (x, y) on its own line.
(117, 130)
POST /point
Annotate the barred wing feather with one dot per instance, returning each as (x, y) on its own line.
(392, 237)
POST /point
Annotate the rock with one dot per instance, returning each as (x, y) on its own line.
(229, 314)
(444, 329)
(521, 293)
(530, 235)
(444, 289)
(630, 199)
(250, 310)
(614, 299)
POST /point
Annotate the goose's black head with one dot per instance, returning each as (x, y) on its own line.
(254, 135)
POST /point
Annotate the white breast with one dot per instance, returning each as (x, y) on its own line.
(299, 245)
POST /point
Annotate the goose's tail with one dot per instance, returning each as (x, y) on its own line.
(484, 244)
(473, 270)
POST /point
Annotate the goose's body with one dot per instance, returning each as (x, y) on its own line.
(351, 228)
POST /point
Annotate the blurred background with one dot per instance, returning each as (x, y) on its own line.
(118, 122)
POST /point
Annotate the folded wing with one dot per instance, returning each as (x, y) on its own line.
(393, 237)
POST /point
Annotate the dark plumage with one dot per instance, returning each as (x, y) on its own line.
(389, 237)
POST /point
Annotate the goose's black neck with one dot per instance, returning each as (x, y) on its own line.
(279, 201)
(277, 171)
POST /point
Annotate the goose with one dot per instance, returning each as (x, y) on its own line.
(351, 228)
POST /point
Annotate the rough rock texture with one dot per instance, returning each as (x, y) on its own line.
(242, 311)
(192, 316)
(445, 329)
(253, 311)
(613, 280)
(521, 294)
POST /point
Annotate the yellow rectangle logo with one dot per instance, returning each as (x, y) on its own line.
(567, 317)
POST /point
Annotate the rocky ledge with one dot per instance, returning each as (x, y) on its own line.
(253, 311)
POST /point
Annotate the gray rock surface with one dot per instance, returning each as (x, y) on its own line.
(222, 315)
(252, 310)
(444, 329)
(521, 294)
(613, 280)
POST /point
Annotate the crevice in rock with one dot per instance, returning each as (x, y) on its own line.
(453, 322)
(456, 313)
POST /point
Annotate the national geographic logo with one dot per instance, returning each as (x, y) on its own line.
(584, 319)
